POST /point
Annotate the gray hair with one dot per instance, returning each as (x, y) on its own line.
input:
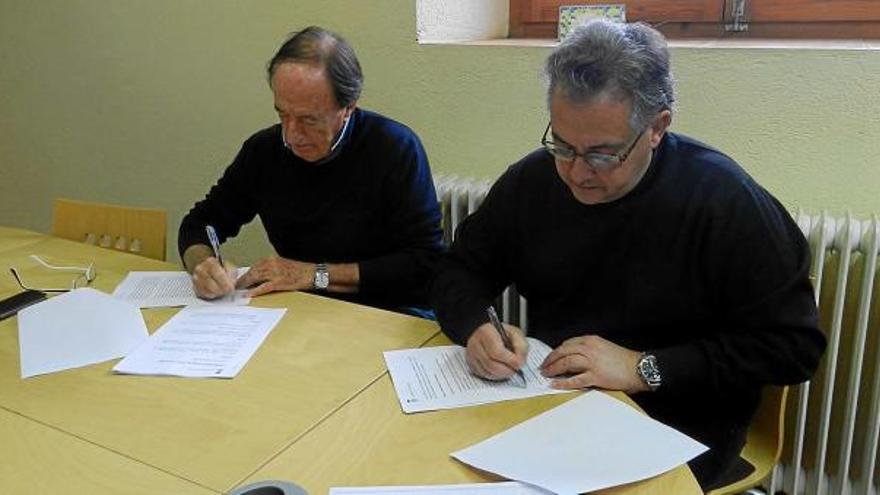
(316, 45)
(605, 58)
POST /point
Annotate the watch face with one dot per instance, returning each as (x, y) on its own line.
(649, 371)
(322, 277)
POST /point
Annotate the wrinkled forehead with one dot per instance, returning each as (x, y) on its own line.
(302, 86)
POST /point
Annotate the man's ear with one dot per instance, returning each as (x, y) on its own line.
(659, 127)
(350, 109)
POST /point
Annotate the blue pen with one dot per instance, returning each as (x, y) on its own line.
(215, 243)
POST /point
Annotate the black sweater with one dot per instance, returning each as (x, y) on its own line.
(374, 203)
(698, 265)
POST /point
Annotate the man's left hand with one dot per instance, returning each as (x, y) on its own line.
(593, 362)
(276, 274)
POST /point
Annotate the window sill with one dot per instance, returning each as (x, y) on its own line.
(771, 44)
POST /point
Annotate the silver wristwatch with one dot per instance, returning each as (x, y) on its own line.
(322, 277)
(648, 371)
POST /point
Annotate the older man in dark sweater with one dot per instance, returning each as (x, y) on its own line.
(345, 195)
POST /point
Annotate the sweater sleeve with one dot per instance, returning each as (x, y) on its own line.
(413, 224)
(476, 269)
(227, 207)
(756, 263)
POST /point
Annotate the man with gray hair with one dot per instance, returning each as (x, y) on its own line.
(345, 194)
(651, 263)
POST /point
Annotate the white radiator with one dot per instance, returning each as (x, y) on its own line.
(832, 423)
(458, 199)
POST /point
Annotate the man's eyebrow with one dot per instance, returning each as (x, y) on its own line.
(614, 146)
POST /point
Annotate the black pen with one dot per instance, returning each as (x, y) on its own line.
(505, 338)
(215, 242)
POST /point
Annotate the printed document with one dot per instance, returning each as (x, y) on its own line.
(169, 289)
(588, 443)
(432, 378)
(204, 342)
(503, 488)
(78, 328)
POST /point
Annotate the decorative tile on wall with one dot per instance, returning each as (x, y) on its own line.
(571, 16)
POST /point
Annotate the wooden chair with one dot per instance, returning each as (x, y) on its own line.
(764, 441)
(135, 230)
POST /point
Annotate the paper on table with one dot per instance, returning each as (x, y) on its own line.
(431, 378)
(591, 442)
(164, 289)
(503, 488)
(203, 341)
(76, 329)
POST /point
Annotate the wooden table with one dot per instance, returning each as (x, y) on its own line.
(212, 432)
(314, 405)
(15, 238)
(371, 442)
(35, 458)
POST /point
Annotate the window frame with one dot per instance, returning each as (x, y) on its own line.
(682, 19)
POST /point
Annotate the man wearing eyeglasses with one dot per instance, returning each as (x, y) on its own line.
(345, 194)
(651, 263)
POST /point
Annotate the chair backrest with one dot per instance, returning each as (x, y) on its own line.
(135, 230)
(768, 426)
(764, 440)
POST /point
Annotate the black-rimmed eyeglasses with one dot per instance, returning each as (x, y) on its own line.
(599, 162)
(84, 277)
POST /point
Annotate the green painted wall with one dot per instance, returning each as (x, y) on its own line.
(145, 102)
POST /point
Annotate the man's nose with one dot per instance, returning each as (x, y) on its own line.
(580, 170)
(291, 130)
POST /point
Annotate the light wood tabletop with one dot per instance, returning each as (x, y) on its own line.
(35, 458)
(371, 442)
(14, 238)
(212, 432)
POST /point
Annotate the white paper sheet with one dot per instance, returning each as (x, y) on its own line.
(433, 378)
(204, 342)
(503, 488)
(588, 443)
(76, 329)
(170, 289)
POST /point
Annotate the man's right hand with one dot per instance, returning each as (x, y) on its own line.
(488, 358)
(211, 280)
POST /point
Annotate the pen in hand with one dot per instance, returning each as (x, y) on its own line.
(505, 338)
(215, 243)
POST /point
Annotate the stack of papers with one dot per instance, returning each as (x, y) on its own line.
(85, 326)
(169, 289)
(589, 443)
(206, 342)
(433, 378)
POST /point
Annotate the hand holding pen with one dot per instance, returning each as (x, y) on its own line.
(212, 278)
(497, 354)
